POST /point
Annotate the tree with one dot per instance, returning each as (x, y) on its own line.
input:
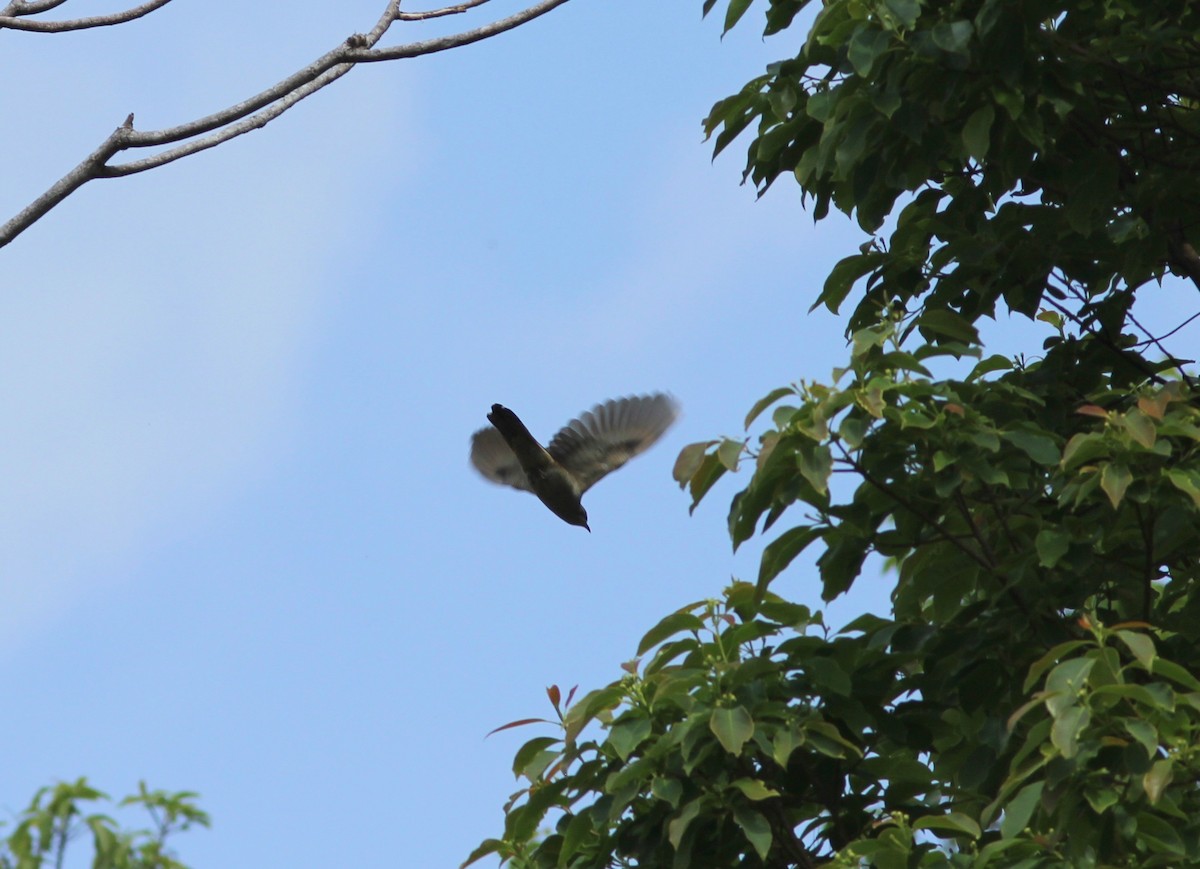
(56, 817)
(253, 113)
(1032, 697)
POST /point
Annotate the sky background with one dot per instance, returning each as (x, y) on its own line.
(241, 549)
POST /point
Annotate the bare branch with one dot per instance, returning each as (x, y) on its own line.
(254, 122)
(30, 7)
(68, 184)
(13, 21)
(438, 13)
(431, 46)
(249, 114)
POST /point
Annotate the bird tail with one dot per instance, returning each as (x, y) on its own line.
(518, 437)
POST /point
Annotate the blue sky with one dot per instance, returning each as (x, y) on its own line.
(243, 551)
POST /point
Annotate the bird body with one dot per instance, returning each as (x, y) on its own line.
(584, 451)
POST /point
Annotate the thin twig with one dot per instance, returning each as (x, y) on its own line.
(30, 7)
(11, 21)
(438, 13)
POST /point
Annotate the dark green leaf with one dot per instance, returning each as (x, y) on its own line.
(732, 727)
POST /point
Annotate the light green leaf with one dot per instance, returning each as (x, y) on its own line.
(766, 401)
(1187, 482)
(755, 789)
(1114, 480)
(1019, 810)
(816, 464)
(1068, 725)
(1140, 427)
(1140, 645)
(1176, 673)
(679, 824)
(784, 743)
(756, 828)
(1156, 780)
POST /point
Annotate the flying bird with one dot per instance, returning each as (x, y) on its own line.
(580, 455)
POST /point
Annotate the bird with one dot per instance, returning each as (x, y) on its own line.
(583, 452)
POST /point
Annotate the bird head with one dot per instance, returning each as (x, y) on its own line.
(578, 517)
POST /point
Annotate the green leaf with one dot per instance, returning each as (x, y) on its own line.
(679, 824)
(689, 461)
(906, 11)
(734, 13)
(488, 846)
(1140, 645)
(1159, 835)
(729, 453)
(843, 275)
(954, 822)
(627, 735)
(732, 727)
(977, 132)
(533, 757)
(1187, 482)
(785, 742)
(1069, 677)
(1176, 673)
(816, 464)
(1156, 780)
(1051, 545)
(945, 322)
(953, 37)
(755, 828)
(766, 401)
(779, 553)
(1019, 810)
(1048, 660)
(1140, 427)
(753, 789)
(1068, 725)
(1114, 480)
(866, 45)
(668, 790)
(829, 675)
(1102, 799)
(987, 366)
(1038, 447)
(676, 622)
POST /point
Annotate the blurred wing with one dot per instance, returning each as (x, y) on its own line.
(493, 458)
(610, 434)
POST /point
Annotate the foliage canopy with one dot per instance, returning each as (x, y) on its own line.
(1032, 698)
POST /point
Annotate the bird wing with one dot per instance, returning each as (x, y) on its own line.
(610, 434)
(494, 458)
